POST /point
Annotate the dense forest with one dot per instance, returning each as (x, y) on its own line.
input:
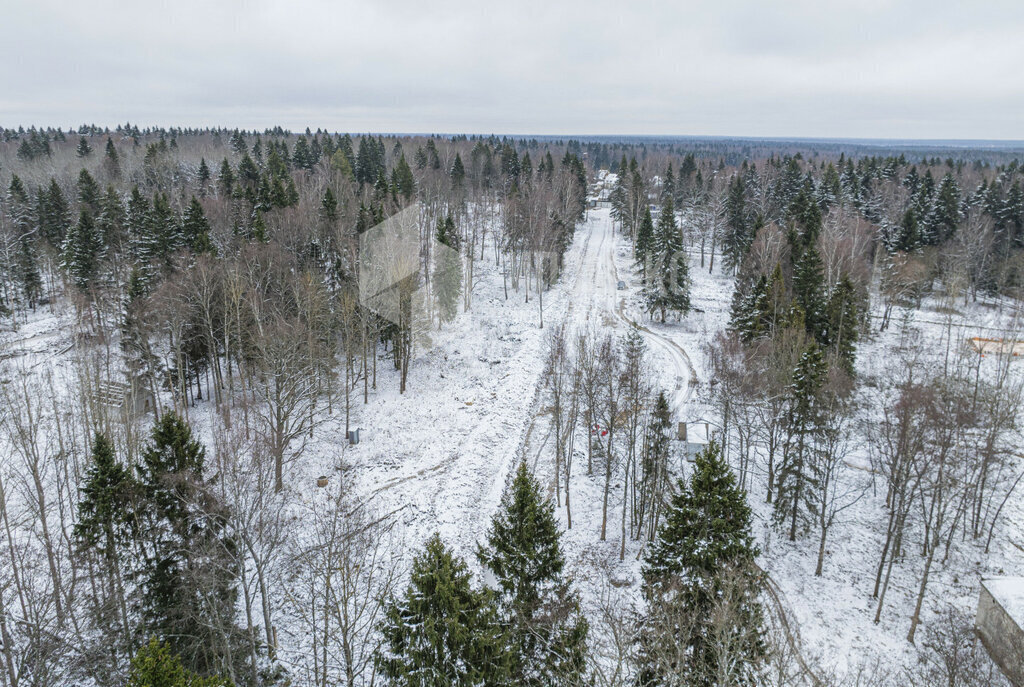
(211, 282)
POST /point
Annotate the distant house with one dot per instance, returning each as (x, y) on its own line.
(600, 195)
(1000, 624)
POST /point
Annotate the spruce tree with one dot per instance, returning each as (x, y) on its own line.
(27, 271)
(796, 477)
(110, 222)
(405, 183)
(546, 632)
(704, 545)
(142, 243)
(187, 572)
(80, 254)
(154, 665)
(447, 270)
(301, 156)
(654, 466)
(291, 193)
(441, 631)
(843, 314)
(905, 236)
(104, 516)
(668, 184)
(203, 174)
(737, 239)
(809, 292)
(226, 179)
(196, 229)
(668, 290)
(16, 192)
(53, 215)
(83, 149)
(25, 264)
(458, 172)
(88, 192)
(105, 528)
(644, 246)
(750, 312)
(165, 230)
(329, 207)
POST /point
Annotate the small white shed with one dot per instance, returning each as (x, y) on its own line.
(1000, 624)
(695, 437)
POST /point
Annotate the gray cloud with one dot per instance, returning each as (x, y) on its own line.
(870, 68)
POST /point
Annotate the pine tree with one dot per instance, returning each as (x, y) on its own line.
(547, 633)
(448, 270)
(796, 478)
(704, 545)
(441, 631)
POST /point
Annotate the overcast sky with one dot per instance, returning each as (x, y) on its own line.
(861, 68)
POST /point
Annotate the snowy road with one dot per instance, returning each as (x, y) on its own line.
(605, 290)
(448, 475)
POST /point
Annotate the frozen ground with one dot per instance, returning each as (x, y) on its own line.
(438, 457)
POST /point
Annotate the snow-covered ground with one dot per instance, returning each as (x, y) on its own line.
(438, 457)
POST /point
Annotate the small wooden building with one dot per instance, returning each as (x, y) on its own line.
(695, 437)
(1000, 624)
(131, 399)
